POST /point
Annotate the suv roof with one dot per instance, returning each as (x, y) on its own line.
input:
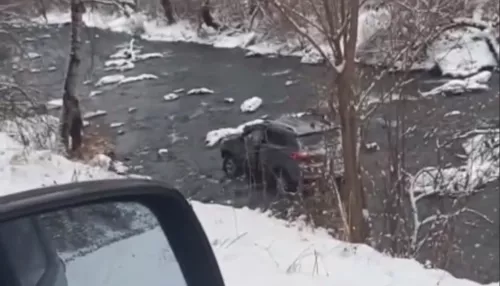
(302, 125)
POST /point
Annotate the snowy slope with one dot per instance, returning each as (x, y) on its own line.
(252, 248)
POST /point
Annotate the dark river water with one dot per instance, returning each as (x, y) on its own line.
(180, 126)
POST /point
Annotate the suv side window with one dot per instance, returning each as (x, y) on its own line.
(256, 137)
(24, 250)
(276, 138)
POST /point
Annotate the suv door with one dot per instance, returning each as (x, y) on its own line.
(253, 142)
(275, 152)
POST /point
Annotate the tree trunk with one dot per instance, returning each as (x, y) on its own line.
(168, 10)
(71, 121)
(356, 203)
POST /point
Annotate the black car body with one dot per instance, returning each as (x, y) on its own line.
(289, 151)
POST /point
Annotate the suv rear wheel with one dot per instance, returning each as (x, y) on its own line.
(283, 182)
(231, 167)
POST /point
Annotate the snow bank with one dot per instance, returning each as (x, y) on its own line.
(457, 53)
(251, 248)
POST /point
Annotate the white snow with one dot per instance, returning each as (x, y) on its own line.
(251, 104)
(215, 136)
(458, 53)
(200, 91)
(251, 247)
(229, 99)
(179, 90)
(93, 114)
(171, 97)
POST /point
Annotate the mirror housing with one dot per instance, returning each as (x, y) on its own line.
(173, 212)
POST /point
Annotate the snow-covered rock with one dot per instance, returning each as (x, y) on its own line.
(200, 91)
(116, 124)
(171, 97)
(452, 113)
(458, 86)
(229, 100)
(144, 76)
(93, 114)
(110, 79)
(33, 55)
(95, 93)
(179, 90)
(462, 52)
(101, 160)
(149, 56)
(251, 104)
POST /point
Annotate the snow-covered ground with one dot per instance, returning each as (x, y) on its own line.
(251, 247)
(459, 53)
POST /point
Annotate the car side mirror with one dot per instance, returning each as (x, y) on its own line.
(109, 232)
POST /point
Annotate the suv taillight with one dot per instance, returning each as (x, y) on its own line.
(301, 156)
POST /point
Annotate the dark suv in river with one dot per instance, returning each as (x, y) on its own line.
(288, 152)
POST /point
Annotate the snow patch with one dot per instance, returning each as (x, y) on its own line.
(110, 79)
(144, 76)
(476, 82)
(95, 93)
(170, 97)
(54, 103)
(93, 114)
(116, 124)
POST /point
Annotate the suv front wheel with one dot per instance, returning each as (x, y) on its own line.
(230, 167)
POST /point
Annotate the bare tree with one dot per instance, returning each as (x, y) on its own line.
(338, 24)
(71, 118)
(168, 11)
